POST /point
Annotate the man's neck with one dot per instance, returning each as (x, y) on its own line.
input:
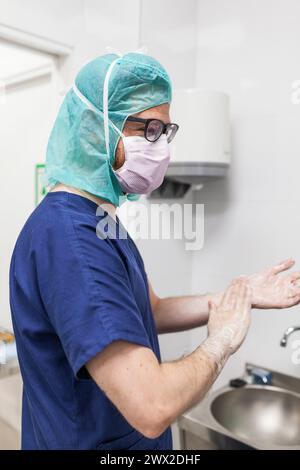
(107, 206)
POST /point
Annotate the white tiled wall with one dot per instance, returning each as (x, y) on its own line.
(250, 50)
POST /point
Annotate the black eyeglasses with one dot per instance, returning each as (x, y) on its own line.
(154, 128)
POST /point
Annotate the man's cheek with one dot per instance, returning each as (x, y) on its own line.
(119, 156)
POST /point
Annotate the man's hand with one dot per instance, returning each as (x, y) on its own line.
(228, 322)
(272, 290)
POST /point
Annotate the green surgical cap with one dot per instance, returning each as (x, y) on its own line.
(76, 152)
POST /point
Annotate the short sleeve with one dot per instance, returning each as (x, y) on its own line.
(87, 294)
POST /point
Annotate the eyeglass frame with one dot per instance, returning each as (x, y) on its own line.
(147, 122)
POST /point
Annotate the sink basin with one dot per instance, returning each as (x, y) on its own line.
(264, 414)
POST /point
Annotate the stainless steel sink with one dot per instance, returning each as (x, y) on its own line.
(266, 414)
(250, 417)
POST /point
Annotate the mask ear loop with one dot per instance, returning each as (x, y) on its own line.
(95, 110)
(105, 106)
(85, 100)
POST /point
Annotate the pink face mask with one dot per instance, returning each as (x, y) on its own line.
(145, 164)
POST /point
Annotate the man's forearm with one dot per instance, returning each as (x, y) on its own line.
(150, 394)
(173, 314)
(184, 382)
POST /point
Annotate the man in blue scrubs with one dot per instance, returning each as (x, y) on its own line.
(85, 316)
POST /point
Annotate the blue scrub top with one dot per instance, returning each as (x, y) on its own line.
(71, 295)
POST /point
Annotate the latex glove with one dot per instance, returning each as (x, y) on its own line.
(228, 322)
(272, 290)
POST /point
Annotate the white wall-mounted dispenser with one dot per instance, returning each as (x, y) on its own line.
(201, 150)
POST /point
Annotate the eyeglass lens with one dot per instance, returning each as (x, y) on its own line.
(171, 131)
(155, 129)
